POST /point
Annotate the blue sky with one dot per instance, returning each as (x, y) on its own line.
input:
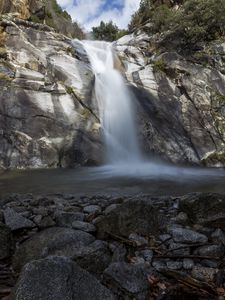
(89, 13)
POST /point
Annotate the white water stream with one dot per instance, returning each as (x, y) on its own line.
(115, 106)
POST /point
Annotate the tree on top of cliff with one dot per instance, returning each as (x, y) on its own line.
(107, 32)
(191, 20)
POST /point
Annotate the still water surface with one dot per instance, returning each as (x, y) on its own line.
(150, 178)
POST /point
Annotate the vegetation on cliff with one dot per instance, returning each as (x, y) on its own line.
(191, 20)
(54, 16)
(107, 32)
(44, 12)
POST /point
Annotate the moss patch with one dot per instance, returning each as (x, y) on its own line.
(214, 159)
(159, 66)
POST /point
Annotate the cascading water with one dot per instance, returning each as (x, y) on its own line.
(115, 105)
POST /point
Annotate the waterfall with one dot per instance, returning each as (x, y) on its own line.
(115, 105)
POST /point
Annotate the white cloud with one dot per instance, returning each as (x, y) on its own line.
(90, 13)
(64, 3)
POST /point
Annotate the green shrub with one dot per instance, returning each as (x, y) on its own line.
(159, 65)
(59, 11)
(69, 90)
(35, 19)
(218, 97)
(107, 32)
(193, 21)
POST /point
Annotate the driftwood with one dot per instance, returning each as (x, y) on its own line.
(190, 282)
(122, 239)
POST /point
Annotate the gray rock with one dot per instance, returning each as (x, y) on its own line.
(203, 273)
(203, 208)
(94, 258)
(211, 250)
(174, 265)
(136, 215)
(181, 218)
(218, 236)
(15, 221)
(119, 252)
(46, 222)
(37, 219)
(92, 209)
(182, 235)
(51, 241)
(146, 254)
(159, 264)
(66, 219)
(164, 237)
(58, 122)
(188, 263)
(210, 263)
(5, 241)
(127, 277)
(40, 211)
(202, 229)
(110, 208)
(84, 226)
(179, 249)
(57, 278)
(138, 240)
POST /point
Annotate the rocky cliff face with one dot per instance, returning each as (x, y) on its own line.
(46, 118)
(181, 99)
(16, 8)
(48, 115)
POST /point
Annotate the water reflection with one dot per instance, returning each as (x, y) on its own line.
(146, 178)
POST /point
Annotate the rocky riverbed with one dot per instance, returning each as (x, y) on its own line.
(65, 246)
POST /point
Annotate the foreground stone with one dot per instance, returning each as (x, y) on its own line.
(57, 278)
(181, 235)
(129, 278)
(15, 221)
(136, 215)
(141, 251)
(52, 241)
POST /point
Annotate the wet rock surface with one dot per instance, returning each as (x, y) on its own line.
(49, 119)
(65, 280)
(113, 245)
(45, 90)
(173, 91)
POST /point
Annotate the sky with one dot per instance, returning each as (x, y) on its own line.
(90, 13)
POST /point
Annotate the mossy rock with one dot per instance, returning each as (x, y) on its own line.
(4, 77)
(159, 65)
(215, 158)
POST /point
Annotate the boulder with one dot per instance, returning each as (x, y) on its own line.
(94, 258)
(15, 221)
(134, 216)
(57, 278)
(92, 209)
(84, 226)
(66, 219)
(211, 250)
(182, 235)
(206, 209)
(128, 278)
(51, 241)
